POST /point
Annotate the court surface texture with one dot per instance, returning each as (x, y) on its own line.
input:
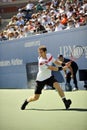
(48, 113)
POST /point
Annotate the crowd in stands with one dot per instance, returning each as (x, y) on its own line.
(46, 17)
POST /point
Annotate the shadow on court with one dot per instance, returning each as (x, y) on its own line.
(71, 109)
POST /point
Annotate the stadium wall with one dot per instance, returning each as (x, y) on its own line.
(19, 55)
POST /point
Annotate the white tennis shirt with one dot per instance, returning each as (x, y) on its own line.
(43, 72)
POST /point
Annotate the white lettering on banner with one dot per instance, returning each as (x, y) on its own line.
(5, 63)
(11, 62)
(33, 43)
(16, 62)
(67, 50)
(85, 51)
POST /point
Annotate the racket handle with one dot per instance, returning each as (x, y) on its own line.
(63, 64)
(60, 68)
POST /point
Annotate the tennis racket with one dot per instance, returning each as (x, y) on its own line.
(77, 52)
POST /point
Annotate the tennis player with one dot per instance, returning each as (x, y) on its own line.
(44, 77)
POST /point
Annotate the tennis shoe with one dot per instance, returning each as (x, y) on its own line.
(67, 103)
(24, 105)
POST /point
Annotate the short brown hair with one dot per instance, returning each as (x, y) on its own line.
(42, 47)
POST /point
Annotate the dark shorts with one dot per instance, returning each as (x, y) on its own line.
(40, 84)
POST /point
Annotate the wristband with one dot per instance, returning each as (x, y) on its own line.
(63, 64)
(60, 68)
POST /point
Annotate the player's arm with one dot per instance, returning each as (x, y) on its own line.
(54, 68)
(58, 62)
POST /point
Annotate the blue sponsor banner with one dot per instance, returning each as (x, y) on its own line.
(15, 54)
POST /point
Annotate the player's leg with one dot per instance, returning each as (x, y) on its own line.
(59, 89)
(33, 98)
(30, 99)
(38, 90)
(53, 82)
(68, 102)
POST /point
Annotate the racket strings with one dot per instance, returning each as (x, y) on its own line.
(77, 52)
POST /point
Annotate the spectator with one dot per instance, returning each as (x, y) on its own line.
(21, 28)
(77, 23)
(61, 9)
(11, 35)
(82, 20)
(39, 6)
(27, 10)
(50, 28)
(64, 19)
(29, 7)
(55, 4)
(45, 21)
(21, 34)
(70, 12)
(56, 15)
(84, 6)
(3, 37)
(13, 20)
(26, 31)
(40, 28)
(20, 21)
(70, 24)
(58, 26)
(20, 14)
(16, 34)
(31, 26)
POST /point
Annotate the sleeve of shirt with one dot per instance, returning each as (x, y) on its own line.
(53, 59)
